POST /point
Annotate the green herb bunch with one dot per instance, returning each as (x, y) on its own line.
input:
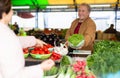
(105, 58)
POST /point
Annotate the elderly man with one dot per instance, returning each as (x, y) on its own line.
(83, 25)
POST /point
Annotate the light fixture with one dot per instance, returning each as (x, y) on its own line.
(57, 7)
(20, 7)
(101, 5)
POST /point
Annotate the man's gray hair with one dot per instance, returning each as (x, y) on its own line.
(87, 5)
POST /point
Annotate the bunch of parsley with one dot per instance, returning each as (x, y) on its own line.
(105, 58)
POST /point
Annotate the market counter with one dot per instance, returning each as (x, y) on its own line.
(31, 61)
(80, 53)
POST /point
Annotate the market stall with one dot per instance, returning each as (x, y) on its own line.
(102, 62)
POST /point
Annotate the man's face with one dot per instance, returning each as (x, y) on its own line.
(83, 12)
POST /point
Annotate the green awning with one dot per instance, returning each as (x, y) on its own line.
(32, 3)
(43, 3)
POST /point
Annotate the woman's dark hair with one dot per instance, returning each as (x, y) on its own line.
(5, 6)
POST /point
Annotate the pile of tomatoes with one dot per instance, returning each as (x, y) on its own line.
(43, 50)
(55, 56)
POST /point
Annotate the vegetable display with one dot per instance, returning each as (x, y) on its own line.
(74, 69)
(69, 69)
(105, 58)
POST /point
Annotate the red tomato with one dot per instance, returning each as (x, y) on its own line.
(55, 56)
(41, 52)
(33, 51)
(47, 52)
(49, 46)
(40, 49)
(25, 50)
(36, 48)
(36, 52)
(45, 49)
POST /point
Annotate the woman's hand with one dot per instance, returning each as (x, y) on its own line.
(47, 64)
(40, 43)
